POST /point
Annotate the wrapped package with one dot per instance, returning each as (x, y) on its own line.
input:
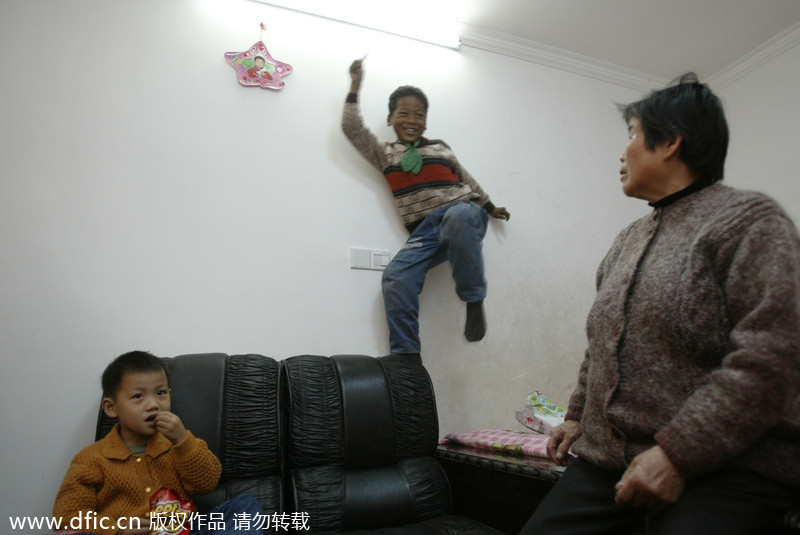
(540, 414)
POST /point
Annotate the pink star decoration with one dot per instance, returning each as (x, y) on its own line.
(257, 67)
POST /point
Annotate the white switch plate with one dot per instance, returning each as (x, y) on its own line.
(360, 258)
(380, 259)
(374, 259)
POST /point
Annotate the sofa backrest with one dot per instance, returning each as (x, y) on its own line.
(231, 402)
(360, 435)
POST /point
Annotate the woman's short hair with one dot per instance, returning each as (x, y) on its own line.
(691, 110)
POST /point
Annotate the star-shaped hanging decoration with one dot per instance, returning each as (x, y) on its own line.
(257, 67)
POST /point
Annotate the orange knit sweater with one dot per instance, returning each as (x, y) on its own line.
(108, 480)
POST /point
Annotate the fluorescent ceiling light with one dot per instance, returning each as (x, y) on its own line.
(431, 21)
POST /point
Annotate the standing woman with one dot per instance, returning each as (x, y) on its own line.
(686, 415)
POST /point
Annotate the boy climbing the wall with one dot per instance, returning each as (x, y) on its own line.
(442, 206)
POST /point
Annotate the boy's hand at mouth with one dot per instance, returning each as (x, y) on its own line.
(170, 426)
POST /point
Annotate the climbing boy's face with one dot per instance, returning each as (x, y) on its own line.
(408, 119)
(140, 397)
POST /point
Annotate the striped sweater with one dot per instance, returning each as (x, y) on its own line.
(441, 182)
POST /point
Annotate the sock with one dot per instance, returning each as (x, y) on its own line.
(475, 326)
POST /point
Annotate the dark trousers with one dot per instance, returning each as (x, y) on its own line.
(725, 502)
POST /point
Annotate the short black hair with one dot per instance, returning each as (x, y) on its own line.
(691, 110)
(406, 91)
(132, 362)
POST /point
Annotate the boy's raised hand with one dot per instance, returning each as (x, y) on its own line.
(171, 426)
(500, 213)
(356, 74)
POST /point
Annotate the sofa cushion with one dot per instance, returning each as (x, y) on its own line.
(361, 435)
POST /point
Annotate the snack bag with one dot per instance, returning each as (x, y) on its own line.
(169, 514)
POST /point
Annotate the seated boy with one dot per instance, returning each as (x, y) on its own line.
(444, 209)
(109, 483)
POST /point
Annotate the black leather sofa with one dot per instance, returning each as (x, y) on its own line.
(348, 441)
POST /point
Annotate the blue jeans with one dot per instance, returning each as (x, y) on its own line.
(453, 233)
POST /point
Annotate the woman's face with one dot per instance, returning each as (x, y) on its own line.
(640, 166)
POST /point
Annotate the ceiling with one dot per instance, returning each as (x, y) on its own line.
(646, 39)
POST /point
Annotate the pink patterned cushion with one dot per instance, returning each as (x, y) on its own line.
(520, 443)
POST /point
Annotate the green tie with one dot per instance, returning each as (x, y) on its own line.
(412, 161)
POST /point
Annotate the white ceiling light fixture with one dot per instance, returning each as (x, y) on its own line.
(431, 21)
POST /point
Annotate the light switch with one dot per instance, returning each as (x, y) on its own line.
(374, 259)
(380, 259)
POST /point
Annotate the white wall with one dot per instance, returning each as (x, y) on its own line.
(764, 118)
(148, 201)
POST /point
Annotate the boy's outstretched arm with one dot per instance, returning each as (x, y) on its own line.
(353, 124)
(356, 75)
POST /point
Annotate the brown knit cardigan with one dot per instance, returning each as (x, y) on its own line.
(107, 479)
(694, 340)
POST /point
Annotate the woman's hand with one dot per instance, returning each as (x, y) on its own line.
(500, 213)
(561, 439)
(650, 481)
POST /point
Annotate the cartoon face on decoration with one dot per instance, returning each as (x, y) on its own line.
(257, 67)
